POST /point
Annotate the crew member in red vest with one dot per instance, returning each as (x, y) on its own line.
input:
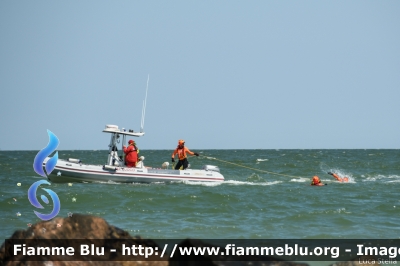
(181, 150)
(131, 154)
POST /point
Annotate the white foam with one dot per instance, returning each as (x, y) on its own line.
(342, 210)
(236, 183)
(341, 173)
(300, 180)
(393, 178)
(262, 160)
(206, 184)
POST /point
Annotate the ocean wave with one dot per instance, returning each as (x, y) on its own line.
(231, 182)
(300, 180)
(339, 211)
(235, 182)
(199, 183)
(392, 178)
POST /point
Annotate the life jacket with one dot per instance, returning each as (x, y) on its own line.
(181, 152)
(131, 155)
(315, 181)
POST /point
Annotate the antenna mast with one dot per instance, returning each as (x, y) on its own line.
(144, 106)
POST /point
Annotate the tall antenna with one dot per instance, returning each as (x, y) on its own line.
(144, 106)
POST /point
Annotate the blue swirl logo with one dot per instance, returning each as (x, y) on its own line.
(46, 151)
(49, 166)
(32, 198)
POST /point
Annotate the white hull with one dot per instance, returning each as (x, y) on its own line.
(74, 171)
(66, 171)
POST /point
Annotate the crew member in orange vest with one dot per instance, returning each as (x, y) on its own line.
(181, 150)
(316, 181)
(338, 178)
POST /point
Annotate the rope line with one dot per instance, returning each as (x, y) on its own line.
(268, 172)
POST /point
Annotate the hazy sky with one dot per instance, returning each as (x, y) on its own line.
(223, 74)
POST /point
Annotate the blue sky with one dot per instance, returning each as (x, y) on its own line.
(223, 74)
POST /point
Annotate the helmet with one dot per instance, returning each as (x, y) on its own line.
(316, 180)
(181, 141)
(131, 141)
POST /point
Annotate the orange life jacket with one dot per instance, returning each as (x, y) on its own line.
(315, 181)
(181, 152)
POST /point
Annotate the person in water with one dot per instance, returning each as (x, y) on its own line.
(316, 181)
(338, 178)
(181, 150)
(131, 153)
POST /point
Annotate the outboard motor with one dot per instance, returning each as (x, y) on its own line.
(211, 168)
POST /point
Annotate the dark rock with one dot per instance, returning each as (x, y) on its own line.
(77, 227)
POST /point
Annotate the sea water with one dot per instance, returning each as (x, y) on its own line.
(266, 195)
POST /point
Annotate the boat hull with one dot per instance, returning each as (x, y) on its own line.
(66, 171)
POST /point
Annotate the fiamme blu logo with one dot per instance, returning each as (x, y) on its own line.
(49, 167)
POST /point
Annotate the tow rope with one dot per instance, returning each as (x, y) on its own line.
(255, 169)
